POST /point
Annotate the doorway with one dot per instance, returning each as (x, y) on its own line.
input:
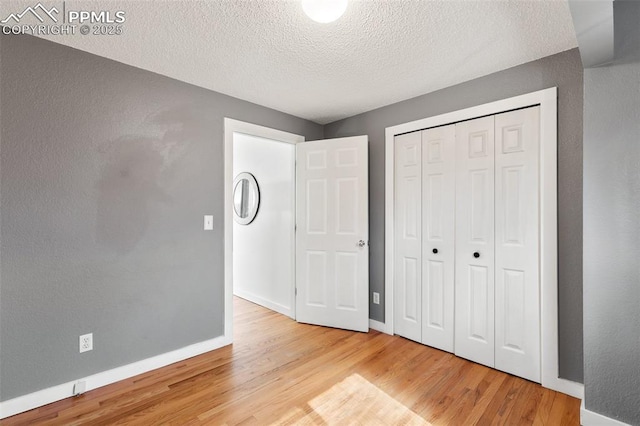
(274, 141)
(264, 221)
(327, 258)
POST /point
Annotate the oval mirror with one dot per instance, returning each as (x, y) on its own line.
(246, 198)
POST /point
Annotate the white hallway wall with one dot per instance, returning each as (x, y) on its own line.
(263, 250)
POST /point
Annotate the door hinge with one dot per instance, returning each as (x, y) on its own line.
(295, 290)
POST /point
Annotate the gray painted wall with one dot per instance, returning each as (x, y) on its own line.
(563, 70)
(611, 226)
(106, 173)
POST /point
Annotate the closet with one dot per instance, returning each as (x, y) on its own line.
(467, 231)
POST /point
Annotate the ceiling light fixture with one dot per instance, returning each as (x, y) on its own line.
(324, 11)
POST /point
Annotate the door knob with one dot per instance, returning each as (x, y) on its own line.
(361, 243)
(476, 255)
(435, 251)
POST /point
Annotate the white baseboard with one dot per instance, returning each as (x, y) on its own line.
(568, 387)
(589, 418)
(379, 326)
(281, 309)
(65, 390)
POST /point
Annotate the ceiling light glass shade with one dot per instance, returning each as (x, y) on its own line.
(324, 11)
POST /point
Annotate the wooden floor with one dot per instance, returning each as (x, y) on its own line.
(281, 372)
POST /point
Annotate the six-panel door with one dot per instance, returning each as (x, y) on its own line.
(332, 251)
(492, 167)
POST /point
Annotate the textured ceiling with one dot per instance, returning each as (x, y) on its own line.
(378, 53)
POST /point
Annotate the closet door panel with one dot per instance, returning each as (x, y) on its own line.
(517, 279)
(438, 236)
(474, 257)
(408, 231)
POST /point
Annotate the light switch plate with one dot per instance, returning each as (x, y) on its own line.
(208, 222)
(376, 298)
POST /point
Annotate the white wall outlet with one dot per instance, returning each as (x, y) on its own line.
(376, 298)
(86, 342)
(208, 222)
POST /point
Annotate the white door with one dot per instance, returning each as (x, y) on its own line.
(332, 251)
(517, 309)
(407, 307)
(438, 236)
(474, 293)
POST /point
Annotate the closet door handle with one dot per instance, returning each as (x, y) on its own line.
(435, 251)
(476, 255)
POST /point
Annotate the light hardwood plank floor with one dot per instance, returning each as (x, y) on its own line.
(282, 372)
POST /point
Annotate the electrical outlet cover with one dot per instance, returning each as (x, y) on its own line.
(86, 342)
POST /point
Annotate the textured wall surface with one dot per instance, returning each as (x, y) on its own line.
(106, 173)
(611, 226)
(563, 70)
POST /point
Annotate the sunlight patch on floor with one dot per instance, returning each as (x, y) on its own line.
(352, 401)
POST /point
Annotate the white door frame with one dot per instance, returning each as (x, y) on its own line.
(547, 99)
(232, 126)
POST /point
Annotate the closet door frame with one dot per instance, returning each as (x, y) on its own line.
(547, 100)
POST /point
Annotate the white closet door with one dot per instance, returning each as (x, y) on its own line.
(408, 218)
(517, 228)
(474, 305)
(438, 236)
